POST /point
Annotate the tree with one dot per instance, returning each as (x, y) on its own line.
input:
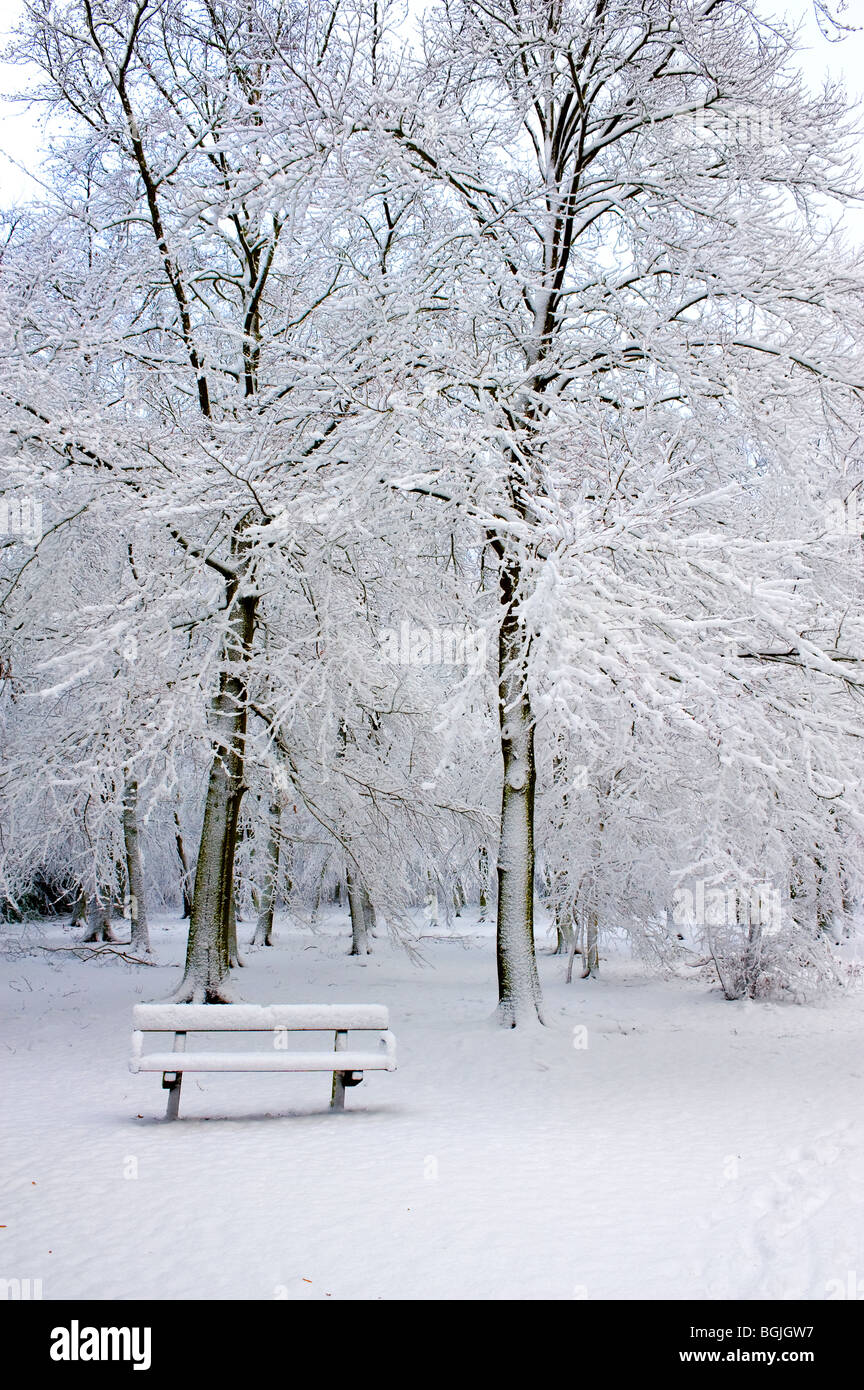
(214, 331)
(618, 273)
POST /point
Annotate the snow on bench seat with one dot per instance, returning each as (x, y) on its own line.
(257, 1018)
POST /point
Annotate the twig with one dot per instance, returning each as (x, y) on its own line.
(97, 950)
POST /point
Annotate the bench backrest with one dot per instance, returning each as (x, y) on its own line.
(258, 1018)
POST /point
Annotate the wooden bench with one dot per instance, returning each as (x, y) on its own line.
(346, 1064)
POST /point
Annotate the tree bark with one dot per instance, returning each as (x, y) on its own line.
(99, 917)
(484, 883)
(371, 919)
(139, 937)
(592, 955)
(234, 956)
(518, 983)
(752, 959)
(563, 935)
(362, 915)
(209, 950)
(266, 894)
(185, 877)
(79, 911)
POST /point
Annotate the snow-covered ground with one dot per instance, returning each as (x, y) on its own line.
(654, 1141)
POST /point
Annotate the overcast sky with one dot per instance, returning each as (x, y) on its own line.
(20, 135)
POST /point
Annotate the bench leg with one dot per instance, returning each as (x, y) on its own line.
(337, 1095)
(173, 1087)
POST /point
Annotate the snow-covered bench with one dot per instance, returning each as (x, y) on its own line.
(347, 1065)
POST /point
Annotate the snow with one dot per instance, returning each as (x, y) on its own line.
(652, 1141)
(262, 1018)
(263, 1061)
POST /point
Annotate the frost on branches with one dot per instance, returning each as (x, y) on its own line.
(445, 438)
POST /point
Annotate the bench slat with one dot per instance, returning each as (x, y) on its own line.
(263, 1061)
(258, 1018)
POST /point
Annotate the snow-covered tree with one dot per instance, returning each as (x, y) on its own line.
(640, 195)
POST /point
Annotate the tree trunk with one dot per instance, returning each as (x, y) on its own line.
(207, 954)
(752, 958)
(266, 894)
(234, 956)
(209, 951)
(484, 883)
(574, 947)
(139, 938)
(185, 877)
(563, 934)
(361, 910)
(592, 955)
(556, 879)
(79, 911)
(518, 984)
(99, 917)
(118, 905)
(371, 919)
(432, 908)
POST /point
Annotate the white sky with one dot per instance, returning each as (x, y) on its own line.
(20, 137)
